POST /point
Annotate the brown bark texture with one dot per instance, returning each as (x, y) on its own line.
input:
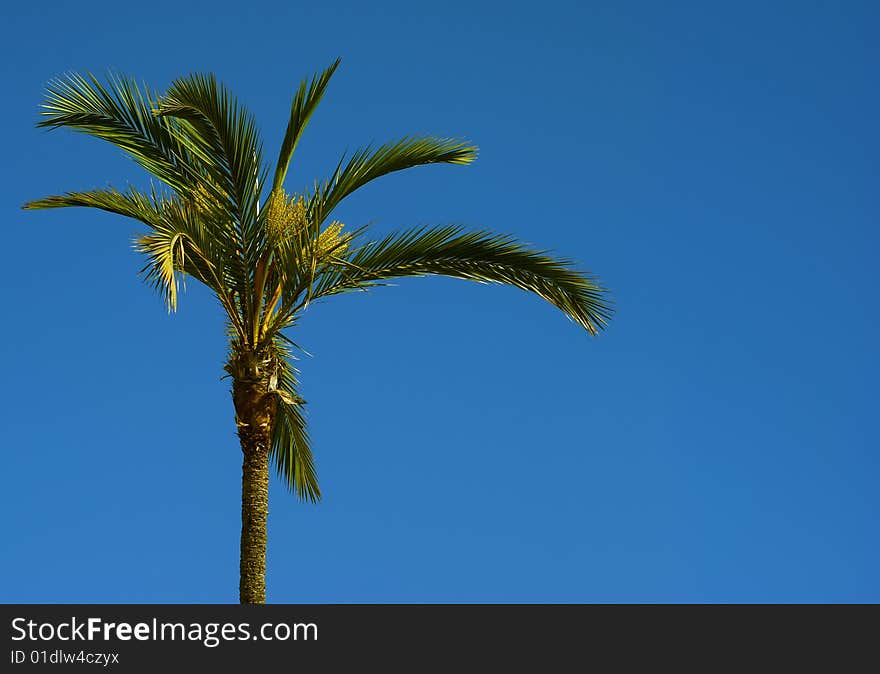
(255, 410)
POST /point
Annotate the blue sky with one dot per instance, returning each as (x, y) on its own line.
(714, 163)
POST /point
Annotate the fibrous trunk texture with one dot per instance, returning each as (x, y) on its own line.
(255, 412)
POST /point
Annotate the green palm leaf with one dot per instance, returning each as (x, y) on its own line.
(122, 114)
(304, 103)
(368, 164)
(218, 127)
(132, 204)
(291, 447)
(477, 256)
(215, 125)
(177, 243)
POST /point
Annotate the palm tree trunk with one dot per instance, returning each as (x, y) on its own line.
(255, 412)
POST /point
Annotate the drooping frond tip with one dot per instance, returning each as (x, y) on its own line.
(476, 256)
(291, 450)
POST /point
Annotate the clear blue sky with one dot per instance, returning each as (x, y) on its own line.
(716, 164)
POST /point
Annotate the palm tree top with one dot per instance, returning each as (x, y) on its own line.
(223, 217)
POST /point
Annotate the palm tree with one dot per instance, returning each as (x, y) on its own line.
(267, 254)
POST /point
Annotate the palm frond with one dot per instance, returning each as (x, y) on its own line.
(164, 246)
(122, 114)
(132, 204)
(304, 103)
(291, 447)
(368, 164)
(178, 243)
(216, 125)
(165, 257)
(477, 256)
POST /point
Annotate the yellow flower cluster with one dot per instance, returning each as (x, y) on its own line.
(285, 215)
(332, 241)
